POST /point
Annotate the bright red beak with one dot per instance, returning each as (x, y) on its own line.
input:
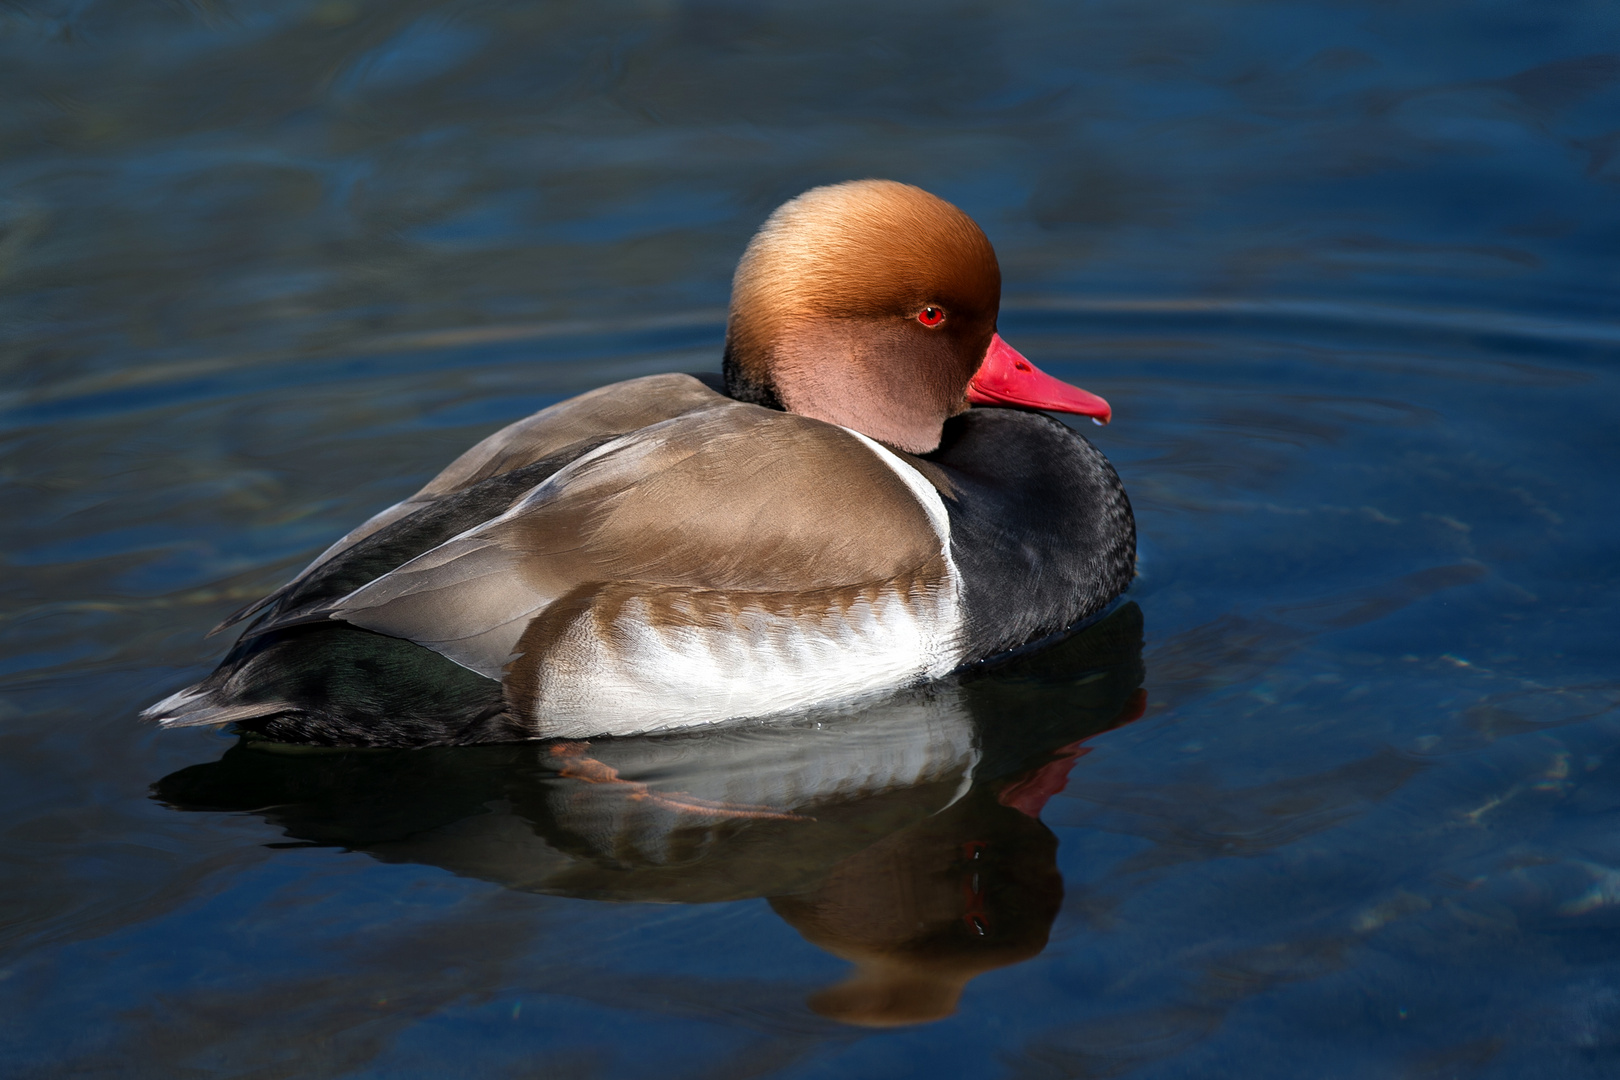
(1006, 378)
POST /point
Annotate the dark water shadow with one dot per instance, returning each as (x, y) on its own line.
(904, 837)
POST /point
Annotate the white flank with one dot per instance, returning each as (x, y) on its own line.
(652, 677)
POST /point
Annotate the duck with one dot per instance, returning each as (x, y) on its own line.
(871, 494)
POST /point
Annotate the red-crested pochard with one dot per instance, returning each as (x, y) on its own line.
(828, 519)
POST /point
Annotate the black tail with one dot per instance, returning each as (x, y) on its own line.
(332, 684)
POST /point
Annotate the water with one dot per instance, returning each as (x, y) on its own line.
(1346, 272)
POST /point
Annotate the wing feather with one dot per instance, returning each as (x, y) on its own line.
(732, 497)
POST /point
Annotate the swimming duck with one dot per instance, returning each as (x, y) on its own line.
(829, 518)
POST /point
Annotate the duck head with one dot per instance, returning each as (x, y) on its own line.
(872, 305)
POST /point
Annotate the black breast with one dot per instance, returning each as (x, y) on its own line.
(1041, 529)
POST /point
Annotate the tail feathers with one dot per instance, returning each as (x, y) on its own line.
(197, 706)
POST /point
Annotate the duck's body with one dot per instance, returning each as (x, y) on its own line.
(677, 550)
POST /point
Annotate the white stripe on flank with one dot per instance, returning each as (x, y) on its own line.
(948, 633)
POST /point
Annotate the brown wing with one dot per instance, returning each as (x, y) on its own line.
(580, 421)
(732, 497)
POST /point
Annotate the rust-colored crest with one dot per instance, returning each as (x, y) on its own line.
(825, 305)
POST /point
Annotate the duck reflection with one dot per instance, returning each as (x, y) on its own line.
(904, 837)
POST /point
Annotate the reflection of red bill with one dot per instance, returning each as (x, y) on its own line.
(1029, 795)
(1006, 378)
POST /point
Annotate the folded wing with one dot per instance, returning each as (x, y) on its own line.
(523, 453)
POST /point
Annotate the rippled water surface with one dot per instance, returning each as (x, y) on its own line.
(1333, 795)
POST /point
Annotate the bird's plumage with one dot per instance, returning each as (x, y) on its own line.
(829, 521)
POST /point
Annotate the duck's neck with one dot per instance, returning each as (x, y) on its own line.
(745, 386)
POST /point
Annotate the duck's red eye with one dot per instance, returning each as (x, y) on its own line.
(931, 315)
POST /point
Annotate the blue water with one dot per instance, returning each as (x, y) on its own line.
(1333, 795)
